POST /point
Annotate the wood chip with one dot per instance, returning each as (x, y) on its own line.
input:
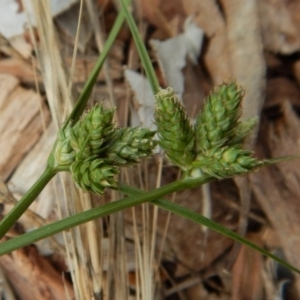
(21, 122)
(33, 277)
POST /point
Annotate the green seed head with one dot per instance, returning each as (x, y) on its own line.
(130, 144)
(91, 134)
(64, 154)
(94, 175)
(225, 162)
(176, 134)
(242, 130)
(215, 125)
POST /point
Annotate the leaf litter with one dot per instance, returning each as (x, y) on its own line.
(236, 41)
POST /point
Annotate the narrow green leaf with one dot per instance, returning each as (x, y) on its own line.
(79, 107)
(143, 53)
(137, 197)
(201, 220)
(92, 214)
(17, 211)
(197, 218)
(88, 87)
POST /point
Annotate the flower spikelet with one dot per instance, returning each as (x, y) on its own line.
(242, 130)
(94, 174)
(64, 153)
(216, 124)
(131, 144)
(91, 133)
(176, 134)
(226, 162)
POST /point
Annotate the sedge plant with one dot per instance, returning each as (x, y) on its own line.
(93, 149)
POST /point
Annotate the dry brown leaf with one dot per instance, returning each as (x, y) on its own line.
(277, 188)
(185, 241)
(153, 14)
(68, 22)
(216, 56)
(279, 29)
(246, 274)
(19, 68)
(33, 277)
(279, 90)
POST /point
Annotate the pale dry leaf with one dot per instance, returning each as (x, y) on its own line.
(172, 62)
(143, 113)
(13, 19)
(246, 47)
(216, 57)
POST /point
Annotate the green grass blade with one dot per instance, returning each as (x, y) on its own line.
(88, 87)
(15, 213)
(138, 197)
(92, 214)
(79, 107)
(143, 53)
(201, 220)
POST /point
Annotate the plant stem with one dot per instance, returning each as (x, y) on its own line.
(92, 214)
(141, 49)
(138, 197)
(89, 85)
(201, 220)
(16, 212)
(51, 169)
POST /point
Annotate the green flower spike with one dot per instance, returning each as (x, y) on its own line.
(176, 134)
(215, 125)
(94, 175)
(242, 130)
(225, 162)
(90, 134)
(131, 144)
(64, 153)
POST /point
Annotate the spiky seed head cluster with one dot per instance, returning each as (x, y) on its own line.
(64, 153)
(94, 174)
(176, 134)
(212, 146)
(216, 124)
(225, 162)
(90, 135)
(131, 144)
(93, 148)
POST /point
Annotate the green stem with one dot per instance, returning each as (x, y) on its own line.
(141, 49)
(88, 87)
(16, 212)
(92, 214)
(201, 220)
(137, 197)
(51, 169)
